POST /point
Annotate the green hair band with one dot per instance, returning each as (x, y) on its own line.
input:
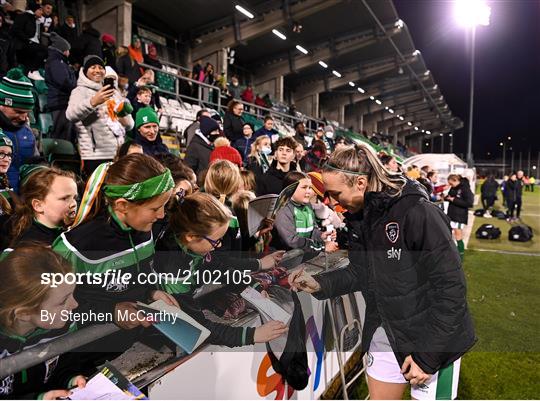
(142, 190)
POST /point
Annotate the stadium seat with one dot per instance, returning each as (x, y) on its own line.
(42, 100)
(45, 123)
(61, 153)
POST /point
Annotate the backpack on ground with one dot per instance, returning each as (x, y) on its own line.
(488, 231)
(499, 214)
(521, 233)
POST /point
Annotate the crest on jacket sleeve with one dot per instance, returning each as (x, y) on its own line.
(392, 231)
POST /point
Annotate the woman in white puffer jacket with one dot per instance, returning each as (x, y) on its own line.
(100, 114)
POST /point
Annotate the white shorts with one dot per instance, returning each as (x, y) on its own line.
(383, 366)
(456, 225)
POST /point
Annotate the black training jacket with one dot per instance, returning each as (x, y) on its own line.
(458, 209)
(403, 259)
(53, 374)
(171, 258)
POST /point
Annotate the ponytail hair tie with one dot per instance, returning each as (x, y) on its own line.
(181, 196)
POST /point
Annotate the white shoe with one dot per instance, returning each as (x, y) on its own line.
(35, 75)
(487, 216)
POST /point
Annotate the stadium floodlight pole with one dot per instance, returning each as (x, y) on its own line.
(471, 13)
(503, 144)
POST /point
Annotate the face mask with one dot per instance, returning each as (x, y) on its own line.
(72, 26)
(329, 134)
(212, 138)
(126, 86)
(266, 150)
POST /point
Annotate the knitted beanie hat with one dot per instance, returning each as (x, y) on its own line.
(16, 90)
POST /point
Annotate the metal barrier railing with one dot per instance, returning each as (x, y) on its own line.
(257, 112)
(43, 352)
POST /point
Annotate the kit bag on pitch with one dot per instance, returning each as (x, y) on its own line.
(520, 233)
(488, 231)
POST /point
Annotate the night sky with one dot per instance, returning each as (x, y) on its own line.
(507, 74)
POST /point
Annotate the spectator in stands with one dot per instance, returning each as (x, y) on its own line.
(267, 129)
(16, 101)
(258, 161)
(249, 181)
(151, 58)
(295, 226)
(128, 148)
(424, 170)
(185, 87)
(340, 143)
(320, 135)
(389, 162)
(314, 158)
(108, 49)
(125, 199)
(23, 298)
(299, 153)
(300, 134)
(234, 88)
(61, 80)
(128, 64)
(142, 99)
(7, 51)
(224, 151)
(232, 121)
(68, 30)
(88, 43)
(46, 22)
(147, 80)
(461, 199)
(147, 125)
(209, 78)
(436, 190)
(201, 146)
(192, 128)
(198, 227)
(99, 113)
(243, 145)
(26, 32)
(272, 181)
(247, 95)
(48, 207)
(489, 194)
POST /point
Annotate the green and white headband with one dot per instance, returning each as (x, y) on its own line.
(133, 192)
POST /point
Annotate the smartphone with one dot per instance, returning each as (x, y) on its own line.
(109, 82)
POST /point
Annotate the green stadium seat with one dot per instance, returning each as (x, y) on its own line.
(45, 123)
(42, 100)
(62, 154)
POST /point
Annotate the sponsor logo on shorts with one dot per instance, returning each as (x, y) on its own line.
(369, 359)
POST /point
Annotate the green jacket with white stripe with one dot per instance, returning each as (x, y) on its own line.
(101, 245)
(295, 228)
(174, 259)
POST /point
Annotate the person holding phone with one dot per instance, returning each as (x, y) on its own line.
(404, 261)
(99, 112)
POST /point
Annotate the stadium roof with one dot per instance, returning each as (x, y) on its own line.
(364, 41)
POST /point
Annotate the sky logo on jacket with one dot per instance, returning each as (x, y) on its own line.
(394, 253)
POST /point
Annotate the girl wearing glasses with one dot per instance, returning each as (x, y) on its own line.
(197, 224)
(7, 204)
